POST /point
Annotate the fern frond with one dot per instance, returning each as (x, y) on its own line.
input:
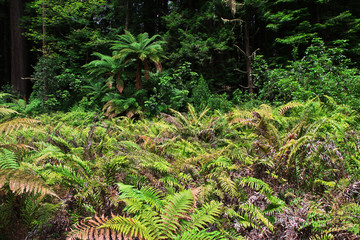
(243, 121)
(70, 176)
(21, 182)
(228, 185)
(90, 229)
(205, 215)
(289, 106)
(19, 123)
(127, 227)
(8, 160)
(255, 211)
(134, 198)
(6, 111)
(256, 184)
(177, 207)
(200, 235)
(276, 205)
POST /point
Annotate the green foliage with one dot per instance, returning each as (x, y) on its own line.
(322, 71)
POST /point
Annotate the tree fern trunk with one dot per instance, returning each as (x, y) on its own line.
(138, 75)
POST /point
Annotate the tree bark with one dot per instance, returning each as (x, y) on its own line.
(19, 56)
(5, 67)
(138, 75)
(127, 15)
(248, 58)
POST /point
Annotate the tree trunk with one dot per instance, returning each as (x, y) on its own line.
(5, 75)
(127, 15)
(138, 75)
(19, 61)
(248, 58)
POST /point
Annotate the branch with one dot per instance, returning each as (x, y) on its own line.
(242, 51)
(232, 20)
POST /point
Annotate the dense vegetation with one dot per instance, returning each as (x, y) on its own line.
(181, 119)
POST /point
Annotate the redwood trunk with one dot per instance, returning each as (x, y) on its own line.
(19, 63)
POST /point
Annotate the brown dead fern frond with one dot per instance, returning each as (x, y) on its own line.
(89, 229)
(21, 182)
(243, 121)
(16, 147)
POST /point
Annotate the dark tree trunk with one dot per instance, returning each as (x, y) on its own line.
(138, 75)
(19, 55)
(149, 19)
(248, 58)
(5, 44)
(127, 15)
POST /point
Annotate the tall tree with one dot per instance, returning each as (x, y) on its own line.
(245, 13)
(19, 54)
(5, 68)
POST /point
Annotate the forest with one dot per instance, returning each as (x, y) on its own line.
(184, 120)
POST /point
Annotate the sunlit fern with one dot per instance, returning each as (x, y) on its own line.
(156, 217)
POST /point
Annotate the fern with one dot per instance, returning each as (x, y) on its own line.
(69, 175)
(23, 182)
(177, 207)
(200, 235)
(256, 212)
(283, 109)
(8, 160)
(20, 123)
(128, 227)
(205, 215)
(228, 185)
(90, 229)
(257, 184)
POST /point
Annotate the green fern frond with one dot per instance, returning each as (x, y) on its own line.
(256, 184)
(177, 207)
(222, 162)
(243, 121)
(128, 227)
(152, 196)
(228, 185)
(200, 235)
(133, 197)
(256, 212)
(276, 205)
(69, 175)
(327, 236)
(205, 215)
(8, 160)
